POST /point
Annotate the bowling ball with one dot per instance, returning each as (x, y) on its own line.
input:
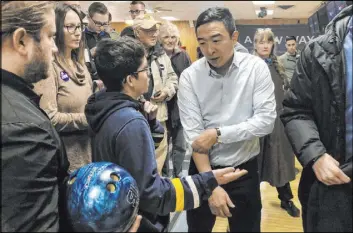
(101, 197)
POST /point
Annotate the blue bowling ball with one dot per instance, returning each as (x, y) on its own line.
(101, 197)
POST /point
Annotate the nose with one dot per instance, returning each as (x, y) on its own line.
(210, 50)
(77, 33)
(170, 40)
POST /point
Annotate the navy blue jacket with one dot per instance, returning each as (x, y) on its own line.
(122, 135)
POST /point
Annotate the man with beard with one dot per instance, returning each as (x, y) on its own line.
(33, 160)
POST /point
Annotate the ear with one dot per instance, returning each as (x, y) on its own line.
(129, 80)
(235, 36)
(21, 41)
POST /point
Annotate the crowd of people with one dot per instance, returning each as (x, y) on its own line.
(74, 94)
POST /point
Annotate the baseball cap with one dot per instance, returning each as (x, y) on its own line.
(145, 22)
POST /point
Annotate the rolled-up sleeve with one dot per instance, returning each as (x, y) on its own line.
(264, 108)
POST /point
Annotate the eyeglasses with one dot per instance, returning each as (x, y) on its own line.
(72, 28)
(100, 24)
(148, 69)
(135, 12)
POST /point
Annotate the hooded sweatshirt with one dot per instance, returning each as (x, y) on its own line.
(122, 135)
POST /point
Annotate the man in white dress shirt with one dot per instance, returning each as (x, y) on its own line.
(226, 102)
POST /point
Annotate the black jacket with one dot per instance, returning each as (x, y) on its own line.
(314, 118)
(128, 31)
(33, 161)
(314, 107)
(180, 61)
(92, 39)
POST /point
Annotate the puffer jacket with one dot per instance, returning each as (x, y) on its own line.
(314, 108)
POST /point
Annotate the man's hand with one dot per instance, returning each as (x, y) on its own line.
(160, 98)
(150, 109)
(328, 172)
(219, 202)
(136, 224)
(205, 141)
(228, 174)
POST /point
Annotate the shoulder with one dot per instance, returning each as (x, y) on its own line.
(197, 66)
(126, 114)
(247, 60)
(17, 109)
(135, 124)
(282, 57)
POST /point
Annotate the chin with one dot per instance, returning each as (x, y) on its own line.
(153, 43)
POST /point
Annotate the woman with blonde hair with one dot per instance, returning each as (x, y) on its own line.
(276, 160)
(65, 92)
(169, 37)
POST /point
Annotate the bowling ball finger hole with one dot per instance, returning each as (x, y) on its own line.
(72, 180)
(114, 177)
(111, 187)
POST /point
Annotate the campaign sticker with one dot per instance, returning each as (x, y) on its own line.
(64, 76)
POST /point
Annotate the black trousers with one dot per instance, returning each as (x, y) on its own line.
(285, 192)
(244, 193)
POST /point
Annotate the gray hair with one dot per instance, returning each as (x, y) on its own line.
(167, 28)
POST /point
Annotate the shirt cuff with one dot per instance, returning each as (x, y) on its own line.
(226, 133)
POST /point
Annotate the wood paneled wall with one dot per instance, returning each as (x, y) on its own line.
(188, 37)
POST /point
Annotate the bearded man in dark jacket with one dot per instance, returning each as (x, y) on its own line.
(318, 121)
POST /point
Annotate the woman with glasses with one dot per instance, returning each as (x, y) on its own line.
(65, 92)
(276, 160)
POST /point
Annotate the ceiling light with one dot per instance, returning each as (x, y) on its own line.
(269, 12)
(263, 2)
(170, 18)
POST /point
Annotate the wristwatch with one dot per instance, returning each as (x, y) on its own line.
(218, 135)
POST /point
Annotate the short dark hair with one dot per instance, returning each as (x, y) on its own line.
(220, 14)
(97, 7)
(116, 59)
(288, 38)
(137, 2)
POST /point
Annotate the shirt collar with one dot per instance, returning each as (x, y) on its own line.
(17, 83)
(237, 58)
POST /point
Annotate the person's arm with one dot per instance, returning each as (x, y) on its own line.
(31, 171)
(136, 151)
(264, 107)
(171, 84)
(298, 117)
(301, 129)
(191, 119)
(63, 122)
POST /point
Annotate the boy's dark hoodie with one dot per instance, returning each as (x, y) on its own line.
(122, 135)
